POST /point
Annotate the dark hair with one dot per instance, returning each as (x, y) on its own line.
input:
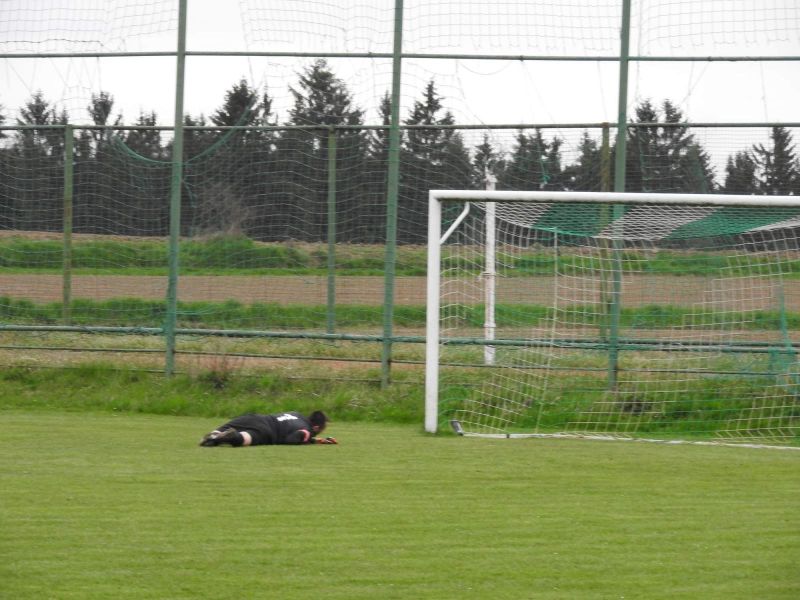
(318, 418)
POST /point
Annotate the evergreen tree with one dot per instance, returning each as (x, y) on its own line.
(427, 144)
(43, 142)
(433, 157)
(535, 164)
(552, 161)
(740, 174)
(486, 162)
(144, 204)
(93, 166)
(94, 142)
(456, 161)
(379, 140)
(322, 101)
(238, 105)
(373, 213)
(100, 109)
(39, 156)
(665, 159)
(585, 174)
(228, 173)
(698, 173)
(145, 142)
(197, 141)
(245, 107)
(777, 166)
(98, 169)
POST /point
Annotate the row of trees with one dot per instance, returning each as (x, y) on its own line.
(273, 184)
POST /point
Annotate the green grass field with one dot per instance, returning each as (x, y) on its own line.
(240, 255)
(103, 505)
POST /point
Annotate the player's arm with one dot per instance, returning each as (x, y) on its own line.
(300, 436)
(304, 436)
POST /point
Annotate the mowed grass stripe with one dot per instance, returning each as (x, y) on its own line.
(127, 506)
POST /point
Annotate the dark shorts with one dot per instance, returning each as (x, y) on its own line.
(257, 426)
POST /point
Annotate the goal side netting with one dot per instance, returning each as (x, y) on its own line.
(660, 316)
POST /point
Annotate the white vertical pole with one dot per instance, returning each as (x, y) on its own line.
(489, 276)
(432, 316)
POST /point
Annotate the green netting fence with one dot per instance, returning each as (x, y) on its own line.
(291, 221)
(283, 230)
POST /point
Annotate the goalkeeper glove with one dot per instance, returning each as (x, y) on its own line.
(327, 440)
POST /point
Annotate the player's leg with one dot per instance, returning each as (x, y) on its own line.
(228, 435)
(221, 435)
(246, 430)
(234, 437)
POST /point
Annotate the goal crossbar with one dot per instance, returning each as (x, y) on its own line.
(662, 199)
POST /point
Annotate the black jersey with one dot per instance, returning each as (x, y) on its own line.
(278, 428)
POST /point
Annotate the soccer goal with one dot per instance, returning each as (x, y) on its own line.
(622, 315)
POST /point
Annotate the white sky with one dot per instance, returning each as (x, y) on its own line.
(476, 91)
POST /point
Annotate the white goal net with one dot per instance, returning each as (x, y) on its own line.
(661, 316)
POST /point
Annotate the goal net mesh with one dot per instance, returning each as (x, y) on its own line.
(665, 321)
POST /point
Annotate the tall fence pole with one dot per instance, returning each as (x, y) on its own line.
(392, 185)
(622, 98)
(331, 230)
(605, 158)
(176, 183)
(69, 165)
(619, 186)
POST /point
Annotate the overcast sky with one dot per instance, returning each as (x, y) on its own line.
(476, 91)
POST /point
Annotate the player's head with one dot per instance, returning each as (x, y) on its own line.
(318, 420)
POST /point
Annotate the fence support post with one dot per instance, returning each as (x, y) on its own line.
(176, 183)
(619, 186)
(69, 164)
(392, 185)
(331, 230)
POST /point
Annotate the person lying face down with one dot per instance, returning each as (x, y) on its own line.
(266, 430)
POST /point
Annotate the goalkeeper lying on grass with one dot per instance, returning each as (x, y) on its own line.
(278, 428)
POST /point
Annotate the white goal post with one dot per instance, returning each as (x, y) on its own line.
(626, 315)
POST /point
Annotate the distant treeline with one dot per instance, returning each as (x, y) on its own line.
(276, 185)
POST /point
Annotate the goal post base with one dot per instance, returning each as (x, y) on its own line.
(456, 425)
(613, 438)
